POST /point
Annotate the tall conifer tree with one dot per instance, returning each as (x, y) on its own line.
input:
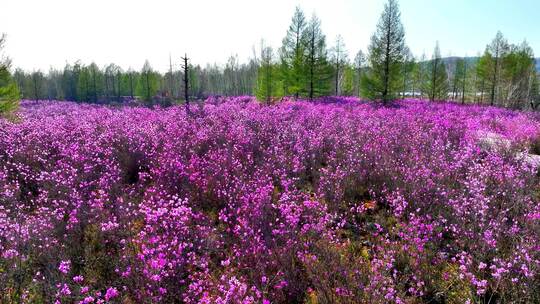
(436, 85)
(386, 55)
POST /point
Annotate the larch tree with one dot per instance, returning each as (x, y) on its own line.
(131, 80)
(534, 93)
(96, 81)
(462, 70)
(148, 83)
(112, 81)
(359, 65)
(348, 80)
(9, 92)
(267, 85)
(230, 75)
(318, 70)
(293, 55)
(497, 49)
(83, 85)
(517, 67)
(436, 84)
(483, 68)
(339, 61)
(386, 55)
(419, 76)
(407, 69)
(37, 84)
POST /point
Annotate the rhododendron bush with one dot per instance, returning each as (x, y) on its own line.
(334, 201)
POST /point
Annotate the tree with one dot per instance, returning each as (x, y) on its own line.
(459, 79)
(37, 82)
(347, 85)
(70, 81)
(483, 68)
(359, 65)
(170, 76)
(437, 83)
(230, 76)
(148, 82)
(131, 79)
(53, 82)
(83, 86)
(267, 80)
(339, 60)
(317, 68)
(386, 55)
(517, 67)
(112, 82)
(293, 56)
(9, 92)
(419, 75)
(185, 67)
(497, 49)
(463, 68)
(535, 91)
(407, 69)
(96, 76)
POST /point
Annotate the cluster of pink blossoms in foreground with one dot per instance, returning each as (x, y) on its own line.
(334, 201)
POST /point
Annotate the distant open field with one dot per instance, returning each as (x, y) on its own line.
(333, 201)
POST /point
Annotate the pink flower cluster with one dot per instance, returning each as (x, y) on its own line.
(329, 201)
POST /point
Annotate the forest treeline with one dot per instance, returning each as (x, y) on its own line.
(306, 66)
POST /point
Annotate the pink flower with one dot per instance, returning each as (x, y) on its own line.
(64, 266)
(112, 292)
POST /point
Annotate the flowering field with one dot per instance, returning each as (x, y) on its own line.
(336, 201)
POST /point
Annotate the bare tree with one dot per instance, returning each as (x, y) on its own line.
(185, 67)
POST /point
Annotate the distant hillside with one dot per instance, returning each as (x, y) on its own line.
(450, 61)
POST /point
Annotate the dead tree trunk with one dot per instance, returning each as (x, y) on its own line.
(185, 67)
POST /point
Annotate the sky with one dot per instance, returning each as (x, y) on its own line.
(49, 33)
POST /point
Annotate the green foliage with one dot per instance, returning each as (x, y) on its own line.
(386, 55)
(129, 82)
(340, 62)
(268, 85)
(9, 93)
(436, 85)
(535, 90)
(359, 66)
(419, 76)
(292, 55)
(318, 69)
(83, 86)
(148, 83)
(505, 73)
(407, 69)
(497, 49)
(304, 67)
(483, 68)
(518, 68)
(348, 81)
(459, 80)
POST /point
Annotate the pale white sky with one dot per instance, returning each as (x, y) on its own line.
(44, 33)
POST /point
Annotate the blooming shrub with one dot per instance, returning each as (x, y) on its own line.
(334, 201)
